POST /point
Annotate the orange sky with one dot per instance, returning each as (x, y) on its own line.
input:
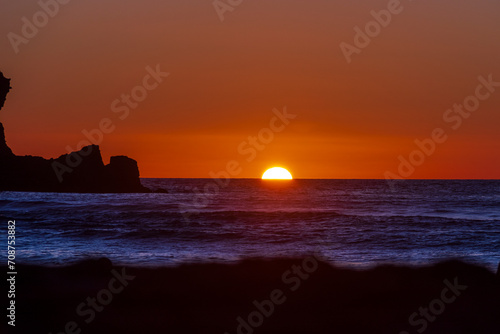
(353, 119)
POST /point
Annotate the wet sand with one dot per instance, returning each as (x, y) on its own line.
(257, 296)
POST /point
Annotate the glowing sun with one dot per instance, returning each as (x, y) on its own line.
(277, 173)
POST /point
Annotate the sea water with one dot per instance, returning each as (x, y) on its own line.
(356, 223)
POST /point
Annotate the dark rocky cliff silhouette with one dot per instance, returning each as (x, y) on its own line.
(80, 171)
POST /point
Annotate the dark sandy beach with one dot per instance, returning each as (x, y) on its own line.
(257, 296)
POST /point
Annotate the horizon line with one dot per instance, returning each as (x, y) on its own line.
(366, 179)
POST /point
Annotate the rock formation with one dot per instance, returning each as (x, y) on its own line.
(80, 171)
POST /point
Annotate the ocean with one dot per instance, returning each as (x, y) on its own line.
(350, 223)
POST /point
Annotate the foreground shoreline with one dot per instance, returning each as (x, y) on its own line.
(295, 295)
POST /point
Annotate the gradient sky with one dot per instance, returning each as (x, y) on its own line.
(353, 120)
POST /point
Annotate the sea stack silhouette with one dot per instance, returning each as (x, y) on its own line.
(81, 171)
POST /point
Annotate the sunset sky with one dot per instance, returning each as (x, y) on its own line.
(353, 119)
